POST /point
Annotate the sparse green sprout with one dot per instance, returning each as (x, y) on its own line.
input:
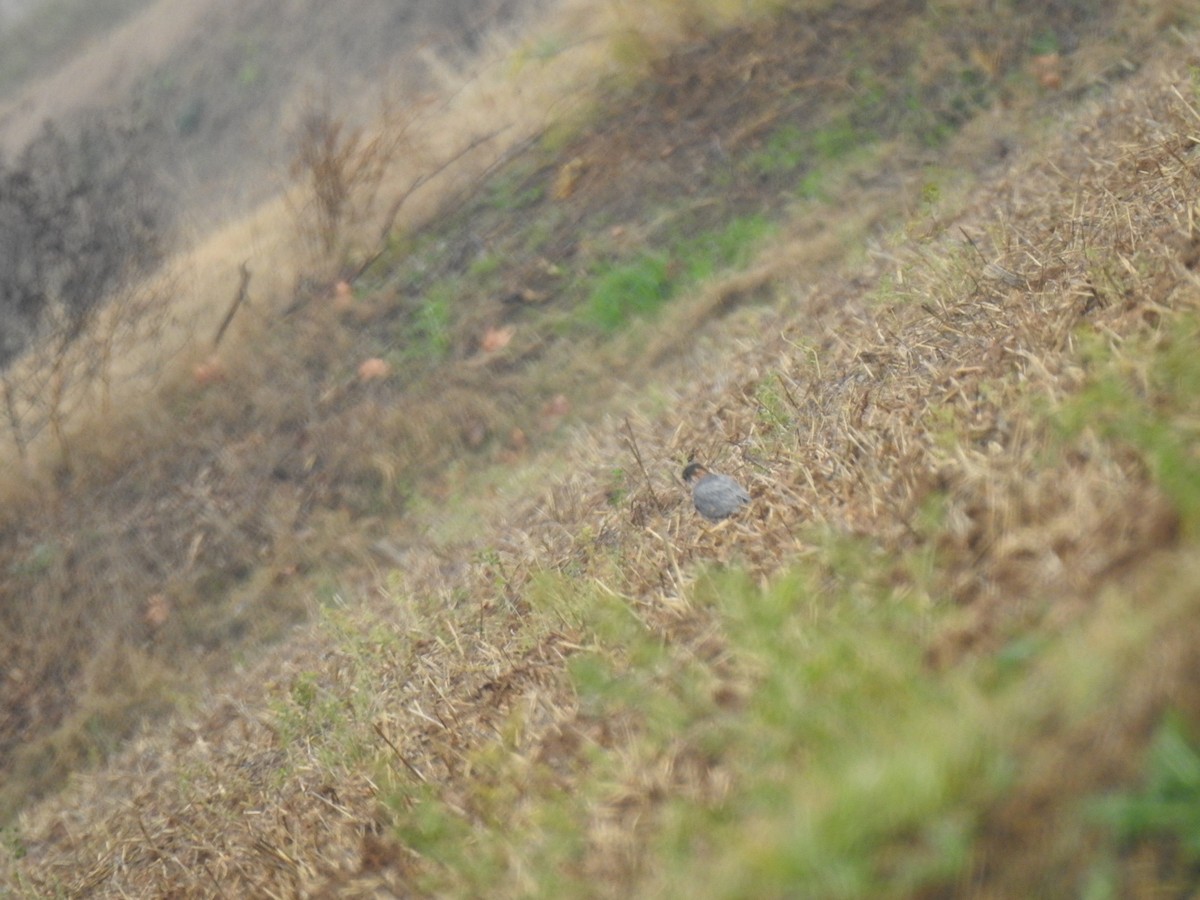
(786, 149)
(816, 149)
(774, 408)
(484, 266)
(617, 486)
(429, 335)
(515, 190)
(304, 690)
(1044, 43)
(1168, 806)
(1152, 406)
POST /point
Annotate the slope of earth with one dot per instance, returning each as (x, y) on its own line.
(975, 502)
(204, 525)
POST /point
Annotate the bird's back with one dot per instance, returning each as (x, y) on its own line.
(718, 496)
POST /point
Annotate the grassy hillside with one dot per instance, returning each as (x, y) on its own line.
(922, 277)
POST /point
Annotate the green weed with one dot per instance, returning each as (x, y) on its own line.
(1044, 42)
(428, 826)
(837, 140)
(774, 408)
(1152, 406)
(484, 266)
(786, 149)
(617, 481)
(812, 186)
(791, 147)
(428, 334)
(729, 248)
(514, 190)
(41, 559)
(1168, 806)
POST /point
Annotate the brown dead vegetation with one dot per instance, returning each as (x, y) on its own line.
(855, 404)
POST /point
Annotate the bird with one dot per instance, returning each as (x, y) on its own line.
(716, 496)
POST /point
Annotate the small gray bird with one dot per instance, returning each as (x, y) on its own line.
(716, 496)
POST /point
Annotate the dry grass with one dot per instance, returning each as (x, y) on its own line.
(571, 698)
(211, 488)
(913, 420)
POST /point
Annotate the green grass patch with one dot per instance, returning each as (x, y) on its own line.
(625, 291)
(786, 149)
(514, 190)
(813, 152)
(857, 768)
(1167, 806)
(854, 769)
(1044, 42)
(729, 248)
(1146, 394)
(775, 410)
(427, 334)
